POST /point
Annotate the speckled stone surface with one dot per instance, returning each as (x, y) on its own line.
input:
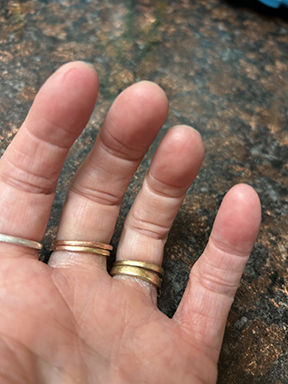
(225, 70)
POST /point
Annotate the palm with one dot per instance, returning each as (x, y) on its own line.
(132, 346)
(69, 321)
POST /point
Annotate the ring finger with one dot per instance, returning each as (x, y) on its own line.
(172, 171)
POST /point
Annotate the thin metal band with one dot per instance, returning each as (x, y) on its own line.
(20, 241)
(141, 273)
(89, 244)
(95, 251)
(141, 264)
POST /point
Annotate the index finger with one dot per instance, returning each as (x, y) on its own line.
(30, 167)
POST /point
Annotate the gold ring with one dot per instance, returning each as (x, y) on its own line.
(142, 274)
(20, 241)
(95, 251)
(151, 273)
(141, 264)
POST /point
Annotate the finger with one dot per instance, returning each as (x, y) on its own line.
(96, 193)
(173, 169)
(215, 277)
(30, 167)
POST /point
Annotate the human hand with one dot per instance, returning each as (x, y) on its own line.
(69, 321)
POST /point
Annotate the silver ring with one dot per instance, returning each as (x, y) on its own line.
(19, 241)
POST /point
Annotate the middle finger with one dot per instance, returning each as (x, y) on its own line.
(95, 196)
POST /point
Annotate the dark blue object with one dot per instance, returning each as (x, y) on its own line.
(274, 3)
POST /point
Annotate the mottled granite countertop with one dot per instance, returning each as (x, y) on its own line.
(224, 67)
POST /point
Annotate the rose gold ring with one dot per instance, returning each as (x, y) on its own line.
(95, 248)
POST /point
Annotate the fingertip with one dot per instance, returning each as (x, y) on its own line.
(245, 198)
(141, 109)
(238, 221)
(80, 75)
(178, 157)
(146, 94)
(154, 89)
(188, 139)
(73, 87)
(76, 82)
(64, 103)
(80, 66)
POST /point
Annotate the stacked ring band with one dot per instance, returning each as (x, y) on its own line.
(20, 241)
(95, 248)
(151, 273)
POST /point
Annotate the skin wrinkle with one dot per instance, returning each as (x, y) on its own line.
(84, 315)
(191, 339)
(214, 308)
(119, 151)
(69, 260)
(80, 341)
(97, 164)
(28, 351)
(36, 187)
(93, 170)
(224, 256)
(207, 276)
(206, 273)
(160, 192)
(78, 325)
(15, 355)
(108, 198)
(199, 336)
(50, 372)
(209, 282)
(42, 143)
(219, 271)
(102, 198)
(116, 346)
(90, 351)
(140, 225)
(122, 338)
(149, 233)
(206, 310)
(84, 360)
(68, 307)
(53, 128)
(167, 358)
(57, 325)
(228, 248)
(165, 198)
(81, 209)
(119, 344)
(60, 288)
(32, 188)
(129, 349)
